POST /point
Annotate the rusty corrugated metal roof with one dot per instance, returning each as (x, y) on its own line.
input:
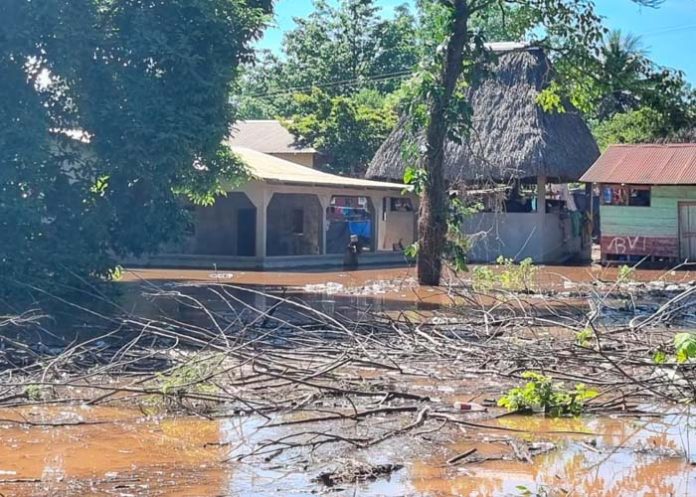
(671, 164)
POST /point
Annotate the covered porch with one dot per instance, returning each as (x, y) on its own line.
(290, 216)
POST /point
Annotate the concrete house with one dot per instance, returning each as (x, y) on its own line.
(293, 216)
(647, 202)
(270, 137)
(516, 162)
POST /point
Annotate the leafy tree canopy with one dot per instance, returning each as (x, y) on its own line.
(109, 109)
(341, 49)
(632, 99)
(348, 129)
(330, 84)
(635, 126)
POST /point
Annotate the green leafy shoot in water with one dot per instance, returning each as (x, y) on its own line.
(540, 393)
(659, 357)
(626, 274)
(517, 277)
(685, 345)
(193, 377)
(483, 279)
(507, 275)
(34, 392)
(584, 337)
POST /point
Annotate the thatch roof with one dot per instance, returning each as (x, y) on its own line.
(511, 136)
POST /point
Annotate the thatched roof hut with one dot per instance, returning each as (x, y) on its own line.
(511, 136)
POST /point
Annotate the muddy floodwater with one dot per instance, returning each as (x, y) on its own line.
(397, 283)
(67, 448)
(100, 451)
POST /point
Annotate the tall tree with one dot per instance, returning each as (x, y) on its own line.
(623, 63)
(331, 83)
(432, 222)
(568, 25)
(111, 109)
(636, 100)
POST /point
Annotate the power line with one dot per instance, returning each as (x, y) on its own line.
(672, 29)
(346, 82)
(402, 74)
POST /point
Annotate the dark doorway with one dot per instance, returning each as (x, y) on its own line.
(246, 232)
(294, 225)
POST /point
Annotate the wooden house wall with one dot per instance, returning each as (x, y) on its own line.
(645, 231)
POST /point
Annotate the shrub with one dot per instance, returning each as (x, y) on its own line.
(483, 279)
(540, 393)
(517, 277)
(508, 275)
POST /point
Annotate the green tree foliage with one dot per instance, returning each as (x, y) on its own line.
(622, 74)
(504, 22)
(635, 126)
(347, 129)
(331, 85)
(627, 97)
(341, 49)
(110, 109)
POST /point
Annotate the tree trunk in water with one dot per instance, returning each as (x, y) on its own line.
(432, 221)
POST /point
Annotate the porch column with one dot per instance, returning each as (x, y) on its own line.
(541, 195)
(261, 201)
(325, 202)
(378, 204)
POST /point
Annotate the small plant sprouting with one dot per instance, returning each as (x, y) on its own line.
(34, 392)
(540, 393)
(659, 357)
(483, 279)
(584, 337)
(684, 350)
(685, 346)
(194, 378)
(508, 275)
(517, 277)
(626, 274)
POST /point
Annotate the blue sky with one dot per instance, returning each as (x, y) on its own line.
(668, 33)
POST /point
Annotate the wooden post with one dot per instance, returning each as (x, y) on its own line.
(541, 195)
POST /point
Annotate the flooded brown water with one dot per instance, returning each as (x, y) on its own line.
(549, 274)
(634, 458)
(131, 455)
(393, 290)
(107, 451)
(393, 283)
(117, 452)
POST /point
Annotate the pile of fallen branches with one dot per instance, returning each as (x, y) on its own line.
(231, 352)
